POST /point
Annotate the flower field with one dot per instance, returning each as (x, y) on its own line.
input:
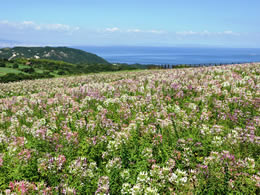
(179, 131)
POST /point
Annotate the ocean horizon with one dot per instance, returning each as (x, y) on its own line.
(174, 55)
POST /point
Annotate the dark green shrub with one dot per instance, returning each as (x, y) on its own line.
(28, 70)
(15, 66)
(2, 64)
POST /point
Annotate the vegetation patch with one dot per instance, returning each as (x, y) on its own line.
(26, 69)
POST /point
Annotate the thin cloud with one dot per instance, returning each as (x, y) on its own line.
(156, 31)
(230, 32)
(114, 29)
(206, 33)
(146, 31)
(39, 27)
(134, 30)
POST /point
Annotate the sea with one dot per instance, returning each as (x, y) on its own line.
(174, 55)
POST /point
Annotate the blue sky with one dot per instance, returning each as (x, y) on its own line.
(227, 23)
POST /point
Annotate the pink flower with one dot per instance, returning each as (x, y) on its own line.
(23, 188)
(11, 185)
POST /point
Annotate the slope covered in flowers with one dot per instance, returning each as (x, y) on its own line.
(193, 130)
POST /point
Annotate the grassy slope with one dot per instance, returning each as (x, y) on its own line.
(4, 70)
(24, 69)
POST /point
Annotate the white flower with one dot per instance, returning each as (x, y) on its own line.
(125, 174)
(164, 123)
(192, 106)
(183, 179)
(177, 109)
(204, 130)
(225, 92)
(150, 191)
(147, 152)
(248, 93)
(126, 187)
(136, 189)
(143, 177)
(49, 133)
(124, 98)
(236, 90)
(246, 78)
(217, 141)
(166, 170)
(226, 84)
(93, 165)
(114, 164)
(173, 177)
(180, 172)
(99, 107)
(250, 162)
(89, 173)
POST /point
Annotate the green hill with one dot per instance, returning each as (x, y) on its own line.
(70, 55)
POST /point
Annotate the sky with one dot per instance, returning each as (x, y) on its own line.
(221, 23)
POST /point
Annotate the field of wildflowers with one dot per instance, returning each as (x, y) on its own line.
(182, 131)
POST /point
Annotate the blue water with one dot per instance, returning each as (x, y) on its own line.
(174, 55)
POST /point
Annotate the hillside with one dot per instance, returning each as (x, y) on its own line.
(65, 54)
(27, 69)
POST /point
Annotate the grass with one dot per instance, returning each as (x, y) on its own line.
(4, 70)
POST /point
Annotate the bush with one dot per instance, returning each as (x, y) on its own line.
(61, 72)
(2, 64)
(15, 66)
(28, 70)
(10, 77)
